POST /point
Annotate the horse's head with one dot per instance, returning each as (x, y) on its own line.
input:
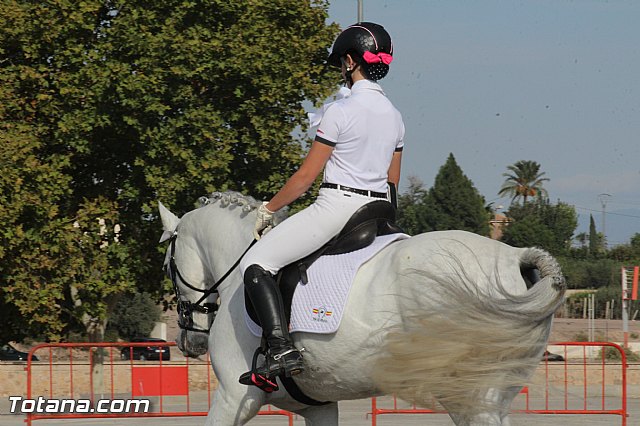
(205, 247)
(196, 309)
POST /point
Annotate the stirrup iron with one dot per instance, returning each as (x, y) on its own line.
(252, 378)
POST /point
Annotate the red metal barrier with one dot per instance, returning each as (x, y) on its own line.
(176, 388)
(585, 383)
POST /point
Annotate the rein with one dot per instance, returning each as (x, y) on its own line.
(187, 308)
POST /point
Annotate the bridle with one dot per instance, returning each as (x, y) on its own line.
(187, 308)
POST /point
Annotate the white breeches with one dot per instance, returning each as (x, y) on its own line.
(306, 231)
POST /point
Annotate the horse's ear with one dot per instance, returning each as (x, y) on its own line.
(169, 222)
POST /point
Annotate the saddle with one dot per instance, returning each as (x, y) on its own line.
(369, 221)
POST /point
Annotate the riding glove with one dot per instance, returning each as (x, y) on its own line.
(264, 221)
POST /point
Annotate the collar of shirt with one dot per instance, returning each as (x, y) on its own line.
(362, 85)
(316, 117)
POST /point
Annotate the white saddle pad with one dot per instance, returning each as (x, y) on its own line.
(318, 306)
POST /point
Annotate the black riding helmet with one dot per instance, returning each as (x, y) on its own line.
(369, 45)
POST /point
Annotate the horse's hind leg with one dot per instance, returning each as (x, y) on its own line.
(322, 415)
(506, 398)
(484, 419)
(498, 405)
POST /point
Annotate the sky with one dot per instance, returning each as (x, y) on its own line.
(494, 82)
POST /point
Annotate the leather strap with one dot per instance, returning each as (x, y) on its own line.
(366, 192)
(297, 394)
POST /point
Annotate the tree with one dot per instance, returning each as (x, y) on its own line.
(101, 273)
(590, 273)
(629, 254)
(524, 180)
(625, 254)
(109, 107)
(412, 217)
(33, 235)
(581, 251)
(135, 316)
(454, 203)
(542, 224)
(596, 239)
(528, 231)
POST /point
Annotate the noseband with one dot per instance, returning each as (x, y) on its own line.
(187, 308)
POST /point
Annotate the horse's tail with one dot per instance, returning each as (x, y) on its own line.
(472, 341)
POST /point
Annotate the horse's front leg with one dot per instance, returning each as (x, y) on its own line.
(234, 405)
(323, 415)
(231, 354)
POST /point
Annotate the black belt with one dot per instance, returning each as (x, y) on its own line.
(354, 190)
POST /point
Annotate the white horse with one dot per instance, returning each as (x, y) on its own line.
(450, 315)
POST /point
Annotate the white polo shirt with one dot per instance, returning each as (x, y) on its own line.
(365, 129)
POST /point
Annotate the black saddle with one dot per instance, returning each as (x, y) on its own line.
(369, 221)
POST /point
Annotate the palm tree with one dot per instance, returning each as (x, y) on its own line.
(524, 180)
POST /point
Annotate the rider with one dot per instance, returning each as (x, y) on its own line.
(359, 144)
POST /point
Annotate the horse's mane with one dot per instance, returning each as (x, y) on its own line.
(247, 202)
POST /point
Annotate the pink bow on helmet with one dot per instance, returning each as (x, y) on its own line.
(375, 58)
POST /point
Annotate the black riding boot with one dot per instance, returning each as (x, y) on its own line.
(282, 358)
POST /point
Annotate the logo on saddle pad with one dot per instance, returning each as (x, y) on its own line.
(321, 314)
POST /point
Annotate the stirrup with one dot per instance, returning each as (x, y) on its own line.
(253, 378)
(282, 368)
(258, 380)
